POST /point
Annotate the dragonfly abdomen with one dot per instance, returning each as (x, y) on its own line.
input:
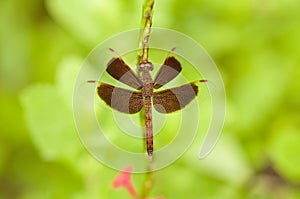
(149, 131)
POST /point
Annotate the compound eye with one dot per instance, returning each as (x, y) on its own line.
(141, 67)
(151, 67)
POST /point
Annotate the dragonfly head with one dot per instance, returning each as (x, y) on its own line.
(145, 66)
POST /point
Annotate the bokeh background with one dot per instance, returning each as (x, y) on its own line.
(255, 44)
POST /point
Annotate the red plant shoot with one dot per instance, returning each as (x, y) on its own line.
(123, 180)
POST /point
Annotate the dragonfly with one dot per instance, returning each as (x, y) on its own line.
(144, 94)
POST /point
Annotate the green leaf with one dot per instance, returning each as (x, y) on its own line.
(49, 116)
(284, 149)
(91, 21)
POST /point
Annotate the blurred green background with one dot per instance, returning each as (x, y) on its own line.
(255, 44)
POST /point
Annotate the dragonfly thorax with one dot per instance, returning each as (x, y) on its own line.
(147, 90)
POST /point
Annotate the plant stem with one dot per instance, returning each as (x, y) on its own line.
(148, 183)
(146, 30)
(146, 24)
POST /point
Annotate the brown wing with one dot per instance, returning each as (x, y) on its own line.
(170, 100)
(168, 71)
(120, 99)
(118, 69)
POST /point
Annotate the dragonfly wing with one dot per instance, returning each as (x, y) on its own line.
(119, 70)
(120, 99)
(174, 99)
(168, 71)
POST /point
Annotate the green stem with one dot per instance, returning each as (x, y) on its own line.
(146, 30)
(148, 183)
(143, 57)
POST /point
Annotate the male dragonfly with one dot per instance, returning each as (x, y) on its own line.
(128, 101)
